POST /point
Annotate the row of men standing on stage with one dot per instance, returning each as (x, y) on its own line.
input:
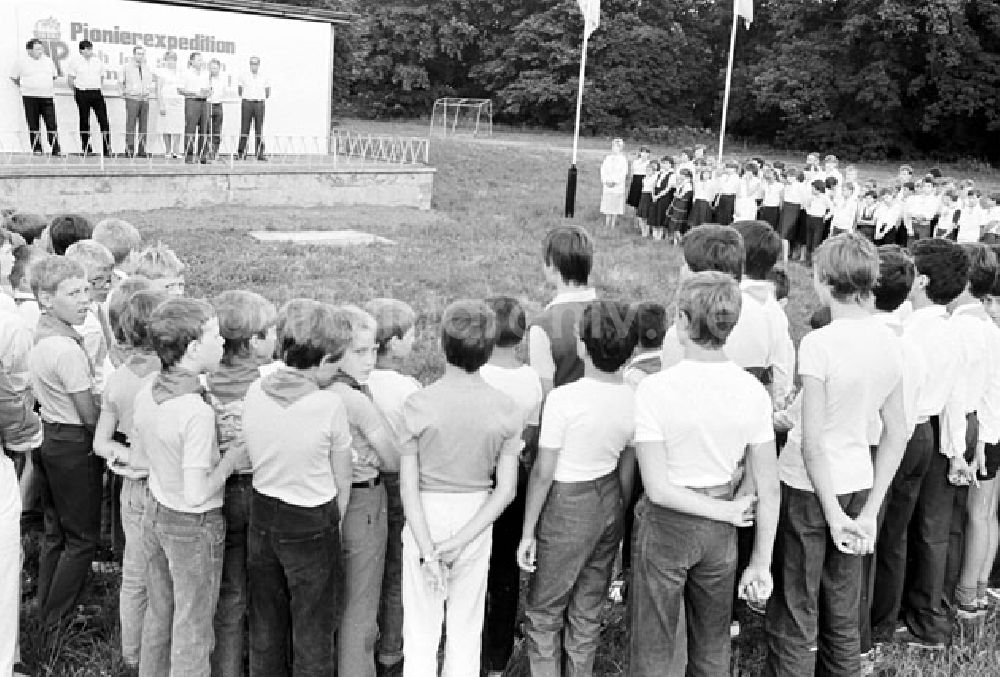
(200, 85)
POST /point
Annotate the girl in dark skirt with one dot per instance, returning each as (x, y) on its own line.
(677, 216)
(704, 195)
(639, 168)
(728, 185)
(663, 193)
(791, 208)
(770, 207)
(646, 199)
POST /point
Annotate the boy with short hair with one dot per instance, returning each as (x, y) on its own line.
(650, 321)
(521, 383)
(160, 264)
(300, 447)
(98, 263)
(66, 229)
(572, 517)
(20, 282)
(364, 531)
(183, 527)
(698, 424)
(458, 471)
(389, 388)
(916, 531)
(851, 373)
(115, 441)
(247, 325)
(121, 238)
(568, 254)
(69, 474)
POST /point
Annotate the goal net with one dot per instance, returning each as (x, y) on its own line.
(452, 116)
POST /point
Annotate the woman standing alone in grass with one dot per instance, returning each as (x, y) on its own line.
(614, 171)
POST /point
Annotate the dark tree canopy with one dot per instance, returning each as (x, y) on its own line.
(880, 78)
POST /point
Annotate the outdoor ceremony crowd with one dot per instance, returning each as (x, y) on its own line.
(279, 491)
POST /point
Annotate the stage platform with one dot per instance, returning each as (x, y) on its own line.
(45, 184)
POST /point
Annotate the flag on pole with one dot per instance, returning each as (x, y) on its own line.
(592, 14)
(744, 8)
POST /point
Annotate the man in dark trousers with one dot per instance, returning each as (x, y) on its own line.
(195, 89)
(255, 89)
(85, 77)
(34, 75)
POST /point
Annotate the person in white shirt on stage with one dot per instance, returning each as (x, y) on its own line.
(34, 75)
(255, 89)
(86, 76)
(195, 87)
(171, 104)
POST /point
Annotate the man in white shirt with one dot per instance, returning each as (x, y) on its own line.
(137, 84)
(920, 209)
(85, 77)
(34, 75)
(195, 88)
(255, 89)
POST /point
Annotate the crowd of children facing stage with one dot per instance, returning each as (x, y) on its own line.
(286, 491)
(805, 204)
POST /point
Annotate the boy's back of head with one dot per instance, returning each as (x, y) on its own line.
(92, 255)
(511, 321)
(650, 320)
(394, 318)
(174, 325)
(761, 245)
(119, 236)
(155, 262)
(714, 247)
(117, 301)
(24, 257)
(896, 273)
(608, 336)
(848, 264)
(27, 225)
(468, 328)
(982, 268)
(136, 314)
(67, 229)
(946, 266)
(243, 315)
(570, 251)
(711, 302)
(309, 331)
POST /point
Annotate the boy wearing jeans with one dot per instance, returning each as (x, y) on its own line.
(698, 425)
(69, 474)
(461, 430)
(247, 324)
(851, 372)
(300, 447)
(389, 389)
(183, 529)
(572, 517)
(113, 440)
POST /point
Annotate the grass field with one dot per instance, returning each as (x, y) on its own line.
(494, 200)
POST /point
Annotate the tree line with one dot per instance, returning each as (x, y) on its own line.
(875, 78)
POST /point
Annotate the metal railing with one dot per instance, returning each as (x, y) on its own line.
(19, 151)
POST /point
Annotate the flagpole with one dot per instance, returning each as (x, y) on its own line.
(729, 80)
(571, 176)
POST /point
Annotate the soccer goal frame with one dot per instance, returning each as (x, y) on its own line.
(454, 115)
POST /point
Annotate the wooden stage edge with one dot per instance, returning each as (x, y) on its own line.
(45, 184)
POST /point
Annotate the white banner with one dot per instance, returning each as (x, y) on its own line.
(294, 55)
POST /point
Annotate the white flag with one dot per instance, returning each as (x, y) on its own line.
(591, 15)
(744, 8)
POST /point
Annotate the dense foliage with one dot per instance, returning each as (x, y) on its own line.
(884, 77)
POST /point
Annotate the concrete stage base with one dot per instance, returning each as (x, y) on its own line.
(48, 185)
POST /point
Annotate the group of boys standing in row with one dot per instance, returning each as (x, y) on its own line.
(342, 513)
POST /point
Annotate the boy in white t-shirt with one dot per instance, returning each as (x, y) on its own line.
(389, 389)
(521, 383)
(699, 424)
(572, 519)
(851, 372)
